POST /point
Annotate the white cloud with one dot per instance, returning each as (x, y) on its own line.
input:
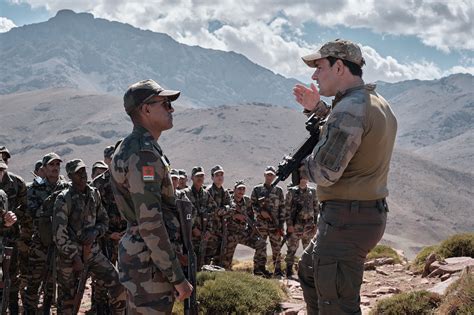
(270, 32)
(6, 24)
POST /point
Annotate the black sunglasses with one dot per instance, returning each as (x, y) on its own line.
(165, 102)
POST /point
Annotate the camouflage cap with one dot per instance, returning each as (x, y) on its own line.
(182, 173)
(73, 166)
(109, 151)
(270, 170)
(50, 157)
(140, 92)
(3, 165)
(38, 165)
(174, 173)
(339, 48)
(197, 170)
(216, 169)
(99, 164)
(4, 150)
(239, 184)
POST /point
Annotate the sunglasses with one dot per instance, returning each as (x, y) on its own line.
(166, 103)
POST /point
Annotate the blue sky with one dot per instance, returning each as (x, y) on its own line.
(407, 39)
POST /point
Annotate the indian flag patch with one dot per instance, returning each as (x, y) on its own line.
(148, 173)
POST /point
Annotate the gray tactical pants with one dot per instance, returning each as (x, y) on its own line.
(332, 266)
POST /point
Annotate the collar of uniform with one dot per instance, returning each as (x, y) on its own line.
(85, 193)
(341, 94)
(217, 188)
(7, 178)
(195, 190)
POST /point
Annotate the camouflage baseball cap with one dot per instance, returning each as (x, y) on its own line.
(109, 151)
(239, 183)
(216, 169)
(140, 92)
(38, 165)
(197, 170)
(182, 173)
(3, 165)
(73, 166)
(339, 48)
(99, 164)
(174, 173)
(4, 150)
(50, 157)
(270, 170)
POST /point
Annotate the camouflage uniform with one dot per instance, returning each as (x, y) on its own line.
(116, 224)
(204, 208)
(223, 202)
(350, 165)
(40, 211)
(273, 201)
(74, 213)
(16, 236)
(148, 260)
(242, 233)
(301, 213)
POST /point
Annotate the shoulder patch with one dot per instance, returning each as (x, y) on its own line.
(148, 173)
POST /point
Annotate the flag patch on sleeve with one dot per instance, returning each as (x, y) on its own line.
(148, 173)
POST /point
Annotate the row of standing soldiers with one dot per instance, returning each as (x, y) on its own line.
(51, 209)
(222, 218)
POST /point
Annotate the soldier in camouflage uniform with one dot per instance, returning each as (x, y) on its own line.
(204, 208)
(98, 168)
(7, 219)
(117, 226)
(19, 235)
(41, 197)
(149, 265)
(183, 179)
(269, 206)
(350, 166)
(79, 220)
(301, 215)
(223, 201)
(242, 229)
(175, 179)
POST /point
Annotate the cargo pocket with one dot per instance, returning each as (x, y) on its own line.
(326, 280)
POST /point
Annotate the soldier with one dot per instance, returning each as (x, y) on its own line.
(148, 254)
(204, 208)
(4, 154)
(242, 230)
(349, 164)
(98, 168)
(301, 216)
(79, 220)
(117, 226)
(175, 179)
(41, 197)
(268, 203)
(183, 179)
(19, 235)
(223, 201)
(38, 172)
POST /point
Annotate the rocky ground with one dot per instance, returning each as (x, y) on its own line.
(386, 280)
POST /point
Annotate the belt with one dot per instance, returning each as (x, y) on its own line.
(380, 204)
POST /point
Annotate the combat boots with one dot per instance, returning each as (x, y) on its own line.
(289, 271)
(278, 272)
(261, 271)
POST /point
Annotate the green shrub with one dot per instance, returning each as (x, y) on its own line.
(233, 292)
(410, 303)
(383, 251)
(459, 298)
(457, 245)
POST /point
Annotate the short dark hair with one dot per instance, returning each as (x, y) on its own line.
(355, 69)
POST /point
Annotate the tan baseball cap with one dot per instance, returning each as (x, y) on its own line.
(270, 170)
(339, 48)
(50, 157)
(74, 165)
(140, 92)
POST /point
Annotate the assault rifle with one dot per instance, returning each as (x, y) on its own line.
(6, 282)
(185, 210)
(291, 163)
(81, 286)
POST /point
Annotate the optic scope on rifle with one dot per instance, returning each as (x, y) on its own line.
(291, 163)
